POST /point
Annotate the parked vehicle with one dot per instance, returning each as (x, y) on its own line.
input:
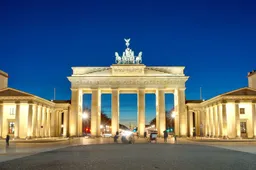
(106, 135)
(153, 137)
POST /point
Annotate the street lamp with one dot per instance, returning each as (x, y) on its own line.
(84, 115)
(173, 115)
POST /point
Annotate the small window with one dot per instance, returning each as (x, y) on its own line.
(12, 111)
(242, 111)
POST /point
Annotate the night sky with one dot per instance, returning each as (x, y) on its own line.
(41, 40)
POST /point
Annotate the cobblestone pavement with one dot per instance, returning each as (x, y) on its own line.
(136, 156)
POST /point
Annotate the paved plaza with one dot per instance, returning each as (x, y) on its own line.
(102, 154)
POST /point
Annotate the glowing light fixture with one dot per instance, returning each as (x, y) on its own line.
(84, 115)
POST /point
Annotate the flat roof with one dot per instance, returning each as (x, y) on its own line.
(251, 73)
(3, 73)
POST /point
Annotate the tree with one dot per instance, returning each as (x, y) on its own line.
(105, 120)
(168, 119)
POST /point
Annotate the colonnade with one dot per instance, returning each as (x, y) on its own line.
(75, 121)
(223, 120)
(39, 118)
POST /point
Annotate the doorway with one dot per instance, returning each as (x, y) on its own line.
(243, 128)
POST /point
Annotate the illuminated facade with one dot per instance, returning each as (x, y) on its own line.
(127, 76)
(229, 115)
(23, 115)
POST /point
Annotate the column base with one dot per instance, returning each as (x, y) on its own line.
(224, 137)
(28, 137)
(238, 137)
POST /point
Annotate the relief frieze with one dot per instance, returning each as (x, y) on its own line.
(127, 82)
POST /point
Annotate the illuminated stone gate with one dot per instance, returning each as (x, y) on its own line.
(128, 75)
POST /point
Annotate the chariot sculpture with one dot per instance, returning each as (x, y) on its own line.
(128, 55)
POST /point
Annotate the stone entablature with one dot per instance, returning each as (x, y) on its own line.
(128, 70)
(127, 82)
(23, 97)
(128, 76)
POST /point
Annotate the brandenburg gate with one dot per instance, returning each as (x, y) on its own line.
(128, 75)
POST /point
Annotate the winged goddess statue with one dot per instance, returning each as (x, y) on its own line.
(127, 42)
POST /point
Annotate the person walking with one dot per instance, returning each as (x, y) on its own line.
(175, 138)
(145, 134)
(165, 136)
(7, 140)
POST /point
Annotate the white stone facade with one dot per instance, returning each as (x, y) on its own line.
(23, 115)
(127, 78)
(230, 115)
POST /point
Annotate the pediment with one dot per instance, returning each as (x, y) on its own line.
(13, 92)
(242, 92)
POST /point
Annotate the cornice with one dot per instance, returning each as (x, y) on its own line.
(30, 99)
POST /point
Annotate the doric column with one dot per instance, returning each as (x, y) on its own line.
(17, 121)
(65, 126)
(59, 123)
(210, 122)
(237, 121)
(53, 123)
(42, 122)
(1, 119)
(180, 109)
(29, 129)
(76, 100)
(224, 119)
(157, 110)
(96, 112)
(48, 122)
(190, 118)
(220, 122)
(216, 126)
(115, 111)
(253, 127)
(45, 122)
(141, 111)
(206, 122)
(34, 120)
(39, 112)
(197, 123)
(161, 112)
(203, 122)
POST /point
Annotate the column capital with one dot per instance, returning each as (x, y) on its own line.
(74, 89)
(115, 89)
(141, 89)
(237, 101)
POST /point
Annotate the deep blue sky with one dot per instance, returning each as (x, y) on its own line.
(41, 40)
